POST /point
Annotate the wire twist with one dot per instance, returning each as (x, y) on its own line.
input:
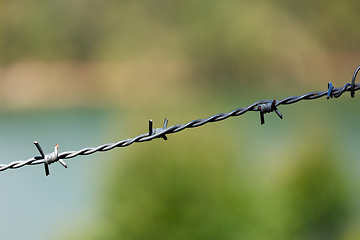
(263, 106)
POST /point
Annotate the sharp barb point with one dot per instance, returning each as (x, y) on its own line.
(165, 123)
(279, 113)
(39, 149)
(150, 127)
(47, 172)
(262, 118)
(63, 163)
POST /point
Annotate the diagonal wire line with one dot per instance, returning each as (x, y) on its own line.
(263, 106)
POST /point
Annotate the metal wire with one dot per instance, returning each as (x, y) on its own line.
(263, 106)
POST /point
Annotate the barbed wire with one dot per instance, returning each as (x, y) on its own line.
(263, 106)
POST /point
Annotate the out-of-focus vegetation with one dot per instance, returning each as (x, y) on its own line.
(173, 54)
(226, 42)
(332, 22)
(169, 46)
(58, 30)
(198, 188)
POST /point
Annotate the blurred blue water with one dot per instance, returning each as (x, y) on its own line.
(35, 206)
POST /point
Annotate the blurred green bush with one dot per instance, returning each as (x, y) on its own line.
(198, 188)
(53, 30)
(223, 39)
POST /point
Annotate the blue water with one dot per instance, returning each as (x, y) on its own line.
(39, 207)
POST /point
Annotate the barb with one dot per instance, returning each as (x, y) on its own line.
(267, 108)
(263, 106)
(50, 158)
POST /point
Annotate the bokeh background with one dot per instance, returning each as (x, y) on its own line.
(83, 73)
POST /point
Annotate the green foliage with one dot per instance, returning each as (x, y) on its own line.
(225, 33)
(316, 198)
(192, 191)
(224, 43)
(196, 188)
(333, 22)
(319, 200)
(49, 30)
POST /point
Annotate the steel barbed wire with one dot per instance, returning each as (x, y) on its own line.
(263, 106)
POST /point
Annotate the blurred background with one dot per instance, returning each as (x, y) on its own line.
(84, 73)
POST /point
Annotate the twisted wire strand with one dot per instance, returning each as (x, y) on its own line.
(160, 133)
